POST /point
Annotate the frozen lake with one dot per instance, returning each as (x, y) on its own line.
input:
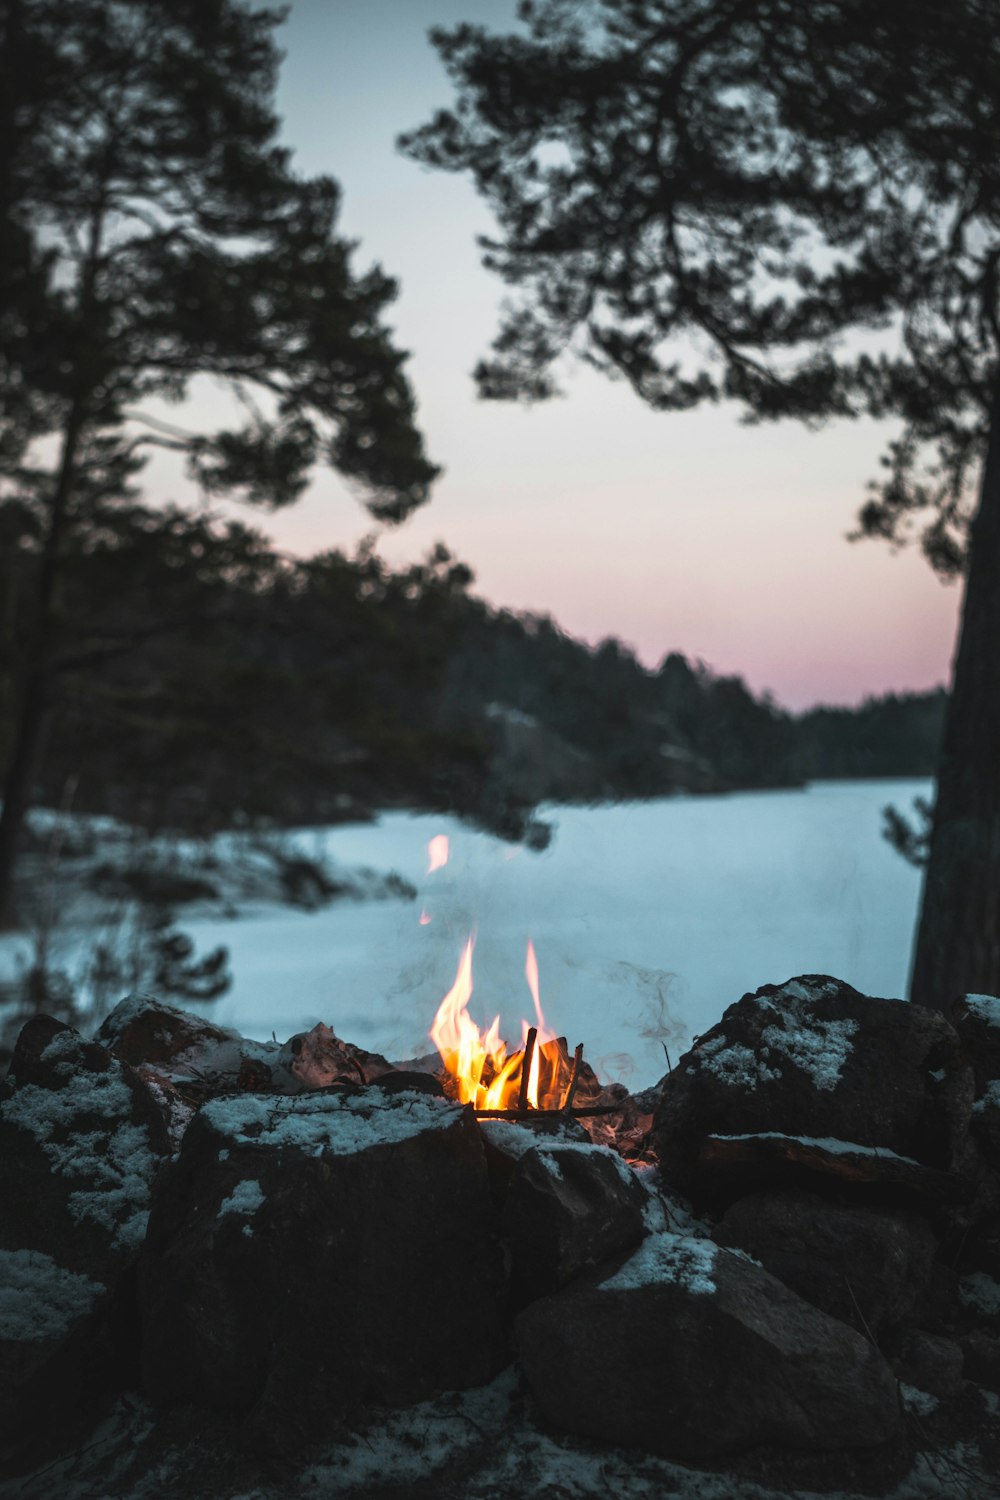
(648, 920)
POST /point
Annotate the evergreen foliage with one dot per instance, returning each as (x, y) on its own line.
(154, 233)
(311, 691)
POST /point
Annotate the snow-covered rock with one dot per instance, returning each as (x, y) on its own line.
(307, 1254)
(691, 1350)
(812, 1060)
(568, 1206)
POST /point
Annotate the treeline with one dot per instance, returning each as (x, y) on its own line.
(204, 680)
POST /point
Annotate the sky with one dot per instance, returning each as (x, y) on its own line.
(674, 532)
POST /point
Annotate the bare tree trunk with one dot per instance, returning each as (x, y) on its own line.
(34, 701)
(958, 937)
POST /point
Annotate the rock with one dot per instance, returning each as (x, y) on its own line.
(813, 1058)
(976, 1018)
(52, 1343)
(307, 1254)
(977, 1021)
(198, 1058)
(506, 1142)
(981, 1352)
(931, 1363)
(862, 1265)
(980, 1249)
(318, 1058)
(143, 1030)
(568, 1207)
(692, 1351)
(729, 1165)
(80, 1142)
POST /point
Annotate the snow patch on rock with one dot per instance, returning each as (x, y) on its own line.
(981, 1293)
(819, 1048)
(828, 1143)
(985, 1008)
(40, 1299)
(245, 1198)
(115, 1162)
(922, 1403)
(666, 1257)
(328, 1122)
(989, 1099)
(735, 1065)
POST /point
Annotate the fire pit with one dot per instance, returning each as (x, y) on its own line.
(536, 1084)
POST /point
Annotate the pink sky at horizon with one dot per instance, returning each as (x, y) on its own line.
(687, 532)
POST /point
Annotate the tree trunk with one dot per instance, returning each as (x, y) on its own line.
(34, 702)
(958, 937)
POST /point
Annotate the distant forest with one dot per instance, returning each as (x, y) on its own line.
(206, 682)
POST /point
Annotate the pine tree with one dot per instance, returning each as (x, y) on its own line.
(703, 197)
(153, 232)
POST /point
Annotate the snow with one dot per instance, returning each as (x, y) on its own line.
(985, 1007)
(546, 1148)
(512, 1140)
(827, 1143)
(981, 1293)
(817, 1047)
(735, 1065)
(667, 1257)
(115, 1162)
(648, 919)
(922, 1403)
(989, 1099)
(479, 1443)
(40, 1299)
(328, 1122)
(245, 1198)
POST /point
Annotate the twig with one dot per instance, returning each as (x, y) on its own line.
(574, 1078)
(863, 1320)
(529, 1052)
(539, 1116)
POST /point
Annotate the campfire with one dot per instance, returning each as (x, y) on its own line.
(540, 1080)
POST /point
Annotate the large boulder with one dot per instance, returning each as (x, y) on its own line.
(693, 1351)
(53, 1343)
(863, 1265)
(814, 1059)
(307, 1254)
(183, 1052)
(80, 1142)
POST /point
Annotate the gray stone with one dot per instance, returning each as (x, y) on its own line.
(815, 1060)
(692, 1351)
(81, 1140)
(930, 1362)
(862, 1265)
(568, 1207)
(307, 1254)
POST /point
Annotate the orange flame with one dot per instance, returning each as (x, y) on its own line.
(437, 851)
(478, 1062)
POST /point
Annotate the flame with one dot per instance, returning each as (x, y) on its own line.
(424, 918)
(485, 1076)
(437, 851)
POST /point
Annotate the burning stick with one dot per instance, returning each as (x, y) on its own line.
(540, 1116)
(526, 1060)
(574, 1078)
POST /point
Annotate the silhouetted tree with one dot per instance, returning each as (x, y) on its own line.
(702, 197)
(153, 231)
